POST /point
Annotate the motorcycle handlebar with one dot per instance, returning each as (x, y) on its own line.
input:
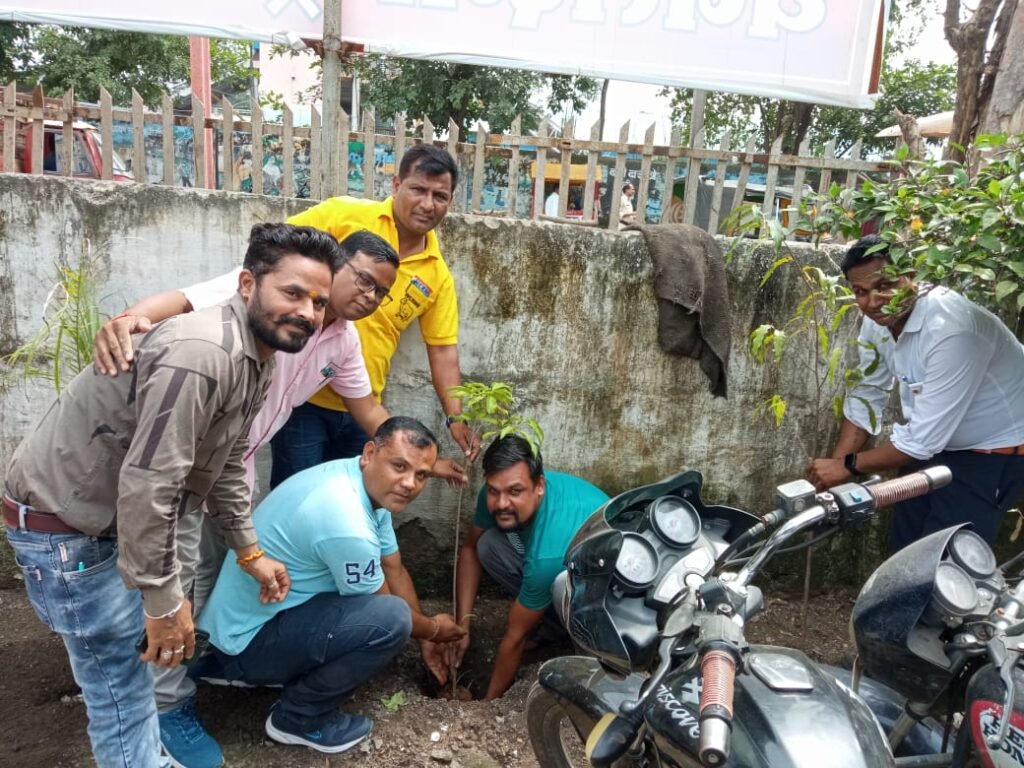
(718, 670)
(900, 489)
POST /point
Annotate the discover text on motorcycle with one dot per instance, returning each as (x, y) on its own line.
(651, 595)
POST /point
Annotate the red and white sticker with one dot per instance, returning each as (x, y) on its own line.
(985, 718)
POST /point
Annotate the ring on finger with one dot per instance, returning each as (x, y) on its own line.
(180, 650)
(166, 654)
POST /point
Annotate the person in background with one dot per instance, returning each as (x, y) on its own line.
(960, 373)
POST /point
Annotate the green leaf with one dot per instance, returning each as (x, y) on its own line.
(833, 363)
(771, 270)
(990, 243)
(823, 340)
(1004, 288)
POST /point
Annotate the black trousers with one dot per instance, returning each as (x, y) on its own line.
(984, 487)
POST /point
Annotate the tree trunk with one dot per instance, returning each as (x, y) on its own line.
(1003, 98)
(911, 134)
(969, 40)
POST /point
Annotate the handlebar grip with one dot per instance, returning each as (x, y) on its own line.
(718, 670)
(907, 487)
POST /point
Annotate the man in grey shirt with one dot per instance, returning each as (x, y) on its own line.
(116, 462)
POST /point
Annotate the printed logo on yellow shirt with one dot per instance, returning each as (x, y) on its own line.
(415, 294)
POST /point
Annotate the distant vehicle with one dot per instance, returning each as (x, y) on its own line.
(87, 154)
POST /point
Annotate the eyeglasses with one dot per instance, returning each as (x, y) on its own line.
(367, 284)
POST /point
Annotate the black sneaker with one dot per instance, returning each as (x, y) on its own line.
(338, 733)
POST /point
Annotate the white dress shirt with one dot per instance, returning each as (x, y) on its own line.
(960, 373)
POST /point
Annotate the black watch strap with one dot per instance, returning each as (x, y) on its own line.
(449, 420)
(850, 462)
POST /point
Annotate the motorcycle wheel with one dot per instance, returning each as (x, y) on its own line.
(550, 729)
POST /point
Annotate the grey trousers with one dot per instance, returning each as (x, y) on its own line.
(200, 554)
(504, 564)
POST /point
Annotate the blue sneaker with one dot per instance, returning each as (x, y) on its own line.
(338, 733)
(185, 741)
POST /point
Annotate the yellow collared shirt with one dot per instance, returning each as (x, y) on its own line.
(424, 289)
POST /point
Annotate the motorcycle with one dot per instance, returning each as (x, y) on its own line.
(657, 592)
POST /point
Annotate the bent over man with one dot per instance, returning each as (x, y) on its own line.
(352, 604)
(525, 518)
(116, 462)
(960, 374)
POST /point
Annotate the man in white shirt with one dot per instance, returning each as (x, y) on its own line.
(626, 213)
(960, 373)
(551, 204)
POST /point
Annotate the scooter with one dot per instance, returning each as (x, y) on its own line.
(657, 592)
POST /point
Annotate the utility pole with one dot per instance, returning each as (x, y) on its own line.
(333, 143)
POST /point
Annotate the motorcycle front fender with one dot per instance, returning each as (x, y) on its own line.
(585, 690)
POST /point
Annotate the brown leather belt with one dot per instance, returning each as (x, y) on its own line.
(33, 519)
(1017, 450)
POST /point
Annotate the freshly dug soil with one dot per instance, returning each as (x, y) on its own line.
(43, 719)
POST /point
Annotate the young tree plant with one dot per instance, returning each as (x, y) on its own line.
(490, 411)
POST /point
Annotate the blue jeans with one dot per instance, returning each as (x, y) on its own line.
(322, 650)
(75, 589)
(984, 487)
(311, 436)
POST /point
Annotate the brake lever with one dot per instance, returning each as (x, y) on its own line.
(1006, 659)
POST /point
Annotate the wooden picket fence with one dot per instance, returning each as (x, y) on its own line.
(483, 150)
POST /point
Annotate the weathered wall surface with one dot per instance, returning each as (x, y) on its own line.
(565, 314)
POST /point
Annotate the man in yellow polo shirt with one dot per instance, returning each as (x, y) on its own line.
(321, 429)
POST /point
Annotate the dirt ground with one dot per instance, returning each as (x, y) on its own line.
(43, 719)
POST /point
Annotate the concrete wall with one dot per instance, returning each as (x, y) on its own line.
(565, 314)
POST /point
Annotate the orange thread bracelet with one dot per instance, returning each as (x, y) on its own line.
(244, 561)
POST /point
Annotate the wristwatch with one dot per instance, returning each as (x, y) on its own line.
(449, 420)
(850, 462)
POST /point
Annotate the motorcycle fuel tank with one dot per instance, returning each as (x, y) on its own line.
(788, 713)
(985, 695)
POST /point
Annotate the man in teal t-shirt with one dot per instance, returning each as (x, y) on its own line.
(524, 521)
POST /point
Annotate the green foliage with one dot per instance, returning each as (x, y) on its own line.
(62, 347)
(914, 88)
(943, 223)
(813, 339)
(490, 411)
(395, 701)
(85, 59)
(465, 92)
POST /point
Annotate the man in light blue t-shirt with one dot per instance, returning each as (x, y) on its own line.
(525, 518)
(352, 604)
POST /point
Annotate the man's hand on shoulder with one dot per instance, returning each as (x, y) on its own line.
(112, 349)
